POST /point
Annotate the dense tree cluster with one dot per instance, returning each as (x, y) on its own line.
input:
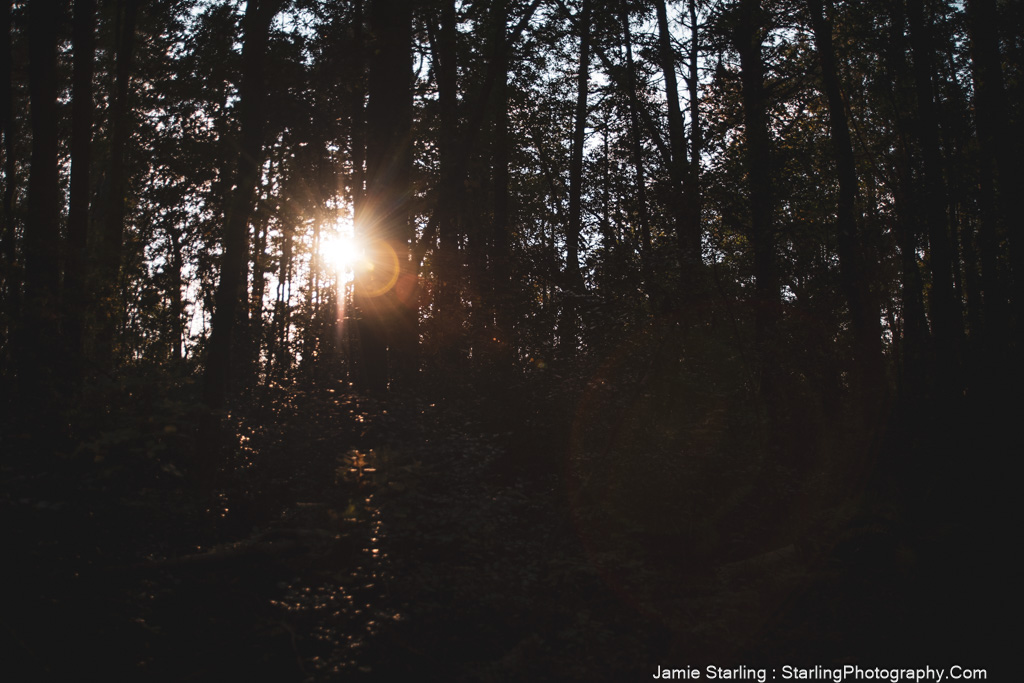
(821, 192)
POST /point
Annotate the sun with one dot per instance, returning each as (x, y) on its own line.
(341, 250)
(373, 262)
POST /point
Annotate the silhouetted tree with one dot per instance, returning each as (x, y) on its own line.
(39, 350)
(76, 274)
(853, 253)
(252, 105)
(386, 296)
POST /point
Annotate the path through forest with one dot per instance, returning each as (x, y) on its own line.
(456, 570)
(360, 540)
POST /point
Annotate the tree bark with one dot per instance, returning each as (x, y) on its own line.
(357, 103)
(476, 106)
(915, 338)
(853, 261)
(387, 296)
(990, 115)
(687, 230)
(76, 271)
(112, 237)
(573, 284)
(11, 284)
(259, 290)
(235, 258)
(696, 134)
(748, 37)
(280, 358)
(636, 149)
(174, 292)
(500, 257)
(448, 316)
(945, 310)
(39, 349)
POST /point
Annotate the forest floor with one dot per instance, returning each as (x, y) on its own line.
(358, 540)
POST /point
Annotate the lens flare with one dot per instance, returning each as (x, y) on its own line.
(378, 270)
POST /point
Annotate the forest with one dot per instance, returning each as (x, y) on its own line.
(508, 340)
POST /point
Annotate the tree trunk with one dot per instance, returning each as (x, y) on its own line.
(174, 293)
(991, 124)
(687, 231)
(386, 297)
(636, 149)
(76, 271)
(573, 284)
(234, 262)
(448, 314)
(748, 38)
(905, 226)
(608, 237)
(696, 136)
(915, 324)
(357, 103)
(853, 263)
(259, 290)
(944, 309)
(500, 256)
(39, 349)
(476, 107)
(11, 285)
(280, 359)
(310, 332)
(357, 152)
(112, 237)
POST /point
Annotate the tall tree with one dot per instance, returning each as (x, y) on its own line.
(76, 271)
(687, 221)
(357, 106)
(945, 310)
(252, 97)
(39, 348)
(904, 220)
(386, 295)
(636, 144)
(748, 36)
(11, 283)
(990, 112)
(448, 259)
(112, 237)
(573, 277)
(500, 284)
(853, 260)
(696, 134)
